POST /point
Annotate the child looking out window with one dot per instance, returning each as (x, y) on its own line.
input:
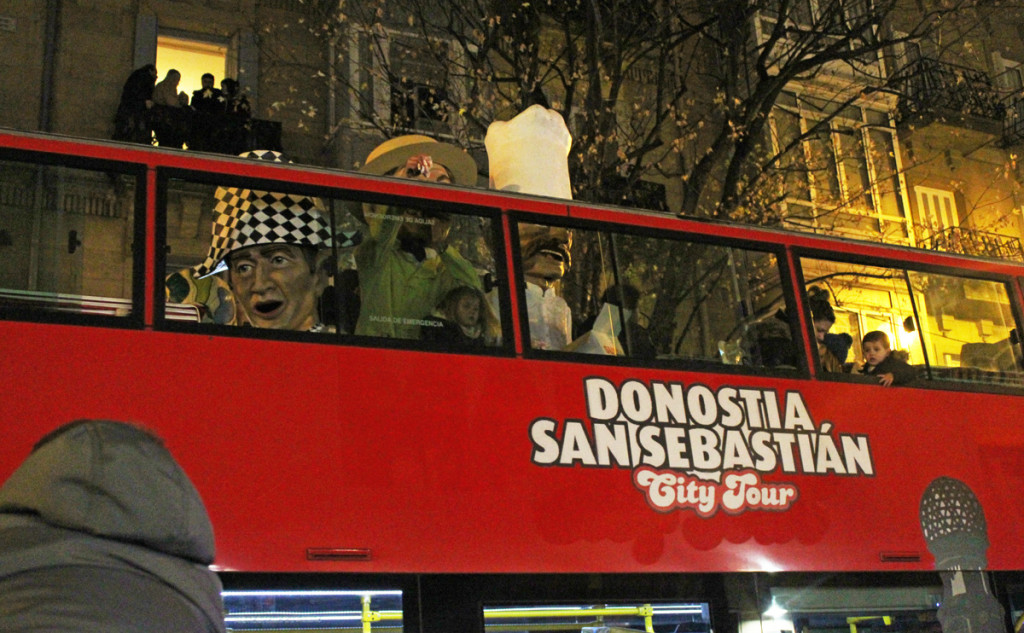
(463, 319)
(880, 362)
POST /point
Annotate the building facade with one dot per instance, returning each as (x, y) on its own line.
(930, 160)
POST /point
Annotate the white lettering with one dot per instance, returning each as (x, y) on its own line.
(602, 399)
(797, 417)
(668, 402)
(611, 440)
(700, 402)
(704, 449)
(636, 401)
(576, 445)
(545, 446)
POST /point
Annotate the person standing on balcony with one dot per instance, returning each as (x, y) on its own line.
(131, 122)
(208, 103)
(208, 99)
(169, 119)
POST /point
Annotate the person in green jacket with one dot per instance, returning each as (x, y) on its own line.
(406, 264)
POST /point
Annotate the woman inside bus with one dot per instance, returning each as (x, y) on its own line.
(823, 317)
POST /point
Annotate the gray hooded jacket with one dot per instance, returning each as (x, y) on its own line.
(101, 530)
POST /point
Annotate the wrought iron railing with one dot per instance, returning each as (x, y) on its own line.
(1013, 121)
(973, 242)
(928, 86)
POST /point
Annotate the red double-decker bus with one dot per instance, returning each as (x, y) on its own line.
(685, 463)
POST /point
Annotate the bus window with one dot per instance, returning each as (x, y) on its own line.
(590, 617)
(653, 297)
(968, 329)
(423, 274)
(342, 266)
(863, 299)
(247, 256)
(309, 610)
(945, 327)
(66, 239)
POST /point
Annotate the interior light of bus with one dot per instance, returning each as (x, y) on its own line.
(291, 617)
(679, 610)
(664, 608)
(775, 611)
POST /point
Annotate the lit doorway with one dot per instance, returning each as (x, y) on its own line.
(191, 58)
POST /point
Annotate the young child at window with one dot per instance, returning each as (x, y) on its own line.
(464, 319)
(880, 362)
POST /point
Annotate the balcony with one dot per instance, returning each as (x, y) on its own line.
(932, 90)
(1013, 121)
(977, 243)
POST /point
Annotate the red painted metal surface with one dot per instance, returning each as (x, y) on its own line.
(429, 462)
(425, 459)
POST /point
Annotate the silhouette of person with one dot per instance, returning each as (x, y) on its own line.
(131, 122)
(101, 530)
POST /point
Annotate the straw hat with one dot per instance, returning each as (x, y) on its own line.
(393, 153)
(247, 217)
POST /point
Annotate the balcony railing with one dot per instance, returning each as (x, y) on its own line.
(978, 243)
(930, 87)
(1013, 121)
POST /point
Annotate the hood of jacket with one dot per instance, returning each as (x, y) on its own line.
(112, 480)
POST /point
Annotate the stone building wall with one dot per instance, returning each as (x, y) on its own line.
(22, 29)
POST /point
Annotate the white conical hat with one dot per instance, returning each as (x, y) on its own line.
(529, 154)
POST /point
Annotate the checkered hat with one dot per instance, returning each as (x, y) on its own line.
(247, 217)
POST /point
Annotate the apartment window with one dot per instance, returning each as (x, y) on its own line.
(192, 58)
(402, 81)
(840, 168)
(836, 18)
(1010, 74)
(416, 105)
(937, 208)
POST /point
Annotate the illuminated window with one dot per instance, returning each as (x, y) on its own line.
(192, 58)
(951, 328)
(937, 207)
(595, 617)
(840, 168)
(307, 610)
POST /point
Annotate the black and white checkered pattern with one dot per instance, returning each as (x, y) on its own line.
(247, 217)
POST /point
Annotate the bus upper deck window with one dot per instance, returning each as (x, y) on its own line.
(414, 268)
(267, 263)
(289, 260)
(66, 240)
(649, 298)
(968, 329)
(944, 327)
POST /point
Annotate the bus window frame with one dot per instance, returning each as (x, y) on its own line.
(916, 263)
(408, 584)
(778, 250)
(137, 171)
(339, 193)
